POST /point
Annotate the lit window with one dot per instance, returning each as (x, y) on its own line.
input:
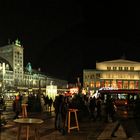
(98, 84)
(131, 85)
(7, 66)
(107, 83)
(0, 66)
(92, 76)
(86, 84)
(131, 68)
(125, 68)
(108, 68)
(92, 84)
(125, 84)
(114, 68)
(120, 68)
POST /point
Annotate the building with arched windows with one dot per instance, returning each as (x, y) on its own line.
(114, 74)
(14, 76)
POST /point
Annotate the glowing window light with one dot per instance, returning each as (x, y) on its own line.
(84, 91)
(74, 90)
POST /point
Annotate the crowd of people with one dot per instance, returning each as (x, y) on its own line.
(88, 107)
(94, 109)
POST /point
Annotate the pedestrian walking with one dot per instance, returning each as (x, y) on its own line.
(120, 122)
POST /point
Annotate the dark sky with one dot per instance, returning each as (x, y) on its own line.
(63, 38)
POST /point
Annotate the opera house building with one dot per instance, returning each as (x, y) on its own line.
(115, 74)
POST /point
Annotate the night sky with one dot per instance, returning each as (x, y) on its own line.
(63, 38)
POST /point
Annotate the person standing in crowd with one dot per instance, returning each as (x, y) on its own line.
(110, 110)
(58, 116)
(136, 110)
(17, 106)
(99, 108)
(46, 99)
(64, 111)
(50, 102)
(61, 107)
(92, 106)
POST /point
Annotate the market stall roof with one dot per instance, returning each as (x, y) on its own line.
(120, 91)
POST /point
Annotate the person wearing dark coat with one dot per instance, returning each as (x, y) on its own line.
(58, 115)
(17, 106)
(92, 106)
(99, 109)
(110, 110)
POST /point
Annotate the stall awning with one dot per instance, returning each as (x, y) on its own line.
(121, 91)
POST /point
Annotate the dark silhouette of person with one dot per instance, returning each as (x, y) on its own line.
(61, 107)
(99, 105)
(58, 115)
(110, 110)
(136, 110)
(46, 100)
(64, 112)
(17, 106)
(92, 106)
(50, 102)
(121, 121)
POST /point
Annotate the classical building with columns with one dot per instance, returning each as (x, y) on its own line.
(15, 76)
(114, 74)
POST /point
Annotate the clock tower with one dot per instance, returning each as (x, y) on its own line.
(13, 53)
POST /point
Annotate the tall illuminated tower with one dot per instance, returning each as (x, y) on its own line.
(13, 53)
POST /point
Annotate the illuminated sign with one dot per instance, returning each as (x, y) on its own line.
(51, 91)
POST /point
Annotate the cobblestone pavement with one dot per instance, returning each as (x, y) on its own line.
(89, 130)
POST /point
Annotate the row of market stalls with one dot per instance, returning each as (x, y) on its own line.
(121, 96)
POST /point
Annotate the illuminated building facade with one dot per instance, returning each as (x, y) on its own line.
(14, 76)
(115, 74)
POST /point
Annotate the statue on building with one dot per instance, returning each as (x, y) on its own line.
(29, 67)
(17, 42)
(51, 83)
